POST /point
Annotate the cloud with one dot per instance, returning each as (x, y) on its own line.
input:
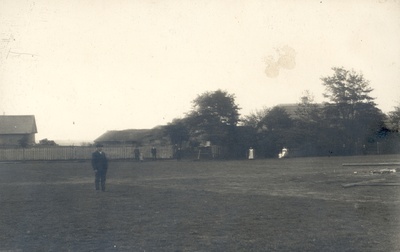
(286, 60)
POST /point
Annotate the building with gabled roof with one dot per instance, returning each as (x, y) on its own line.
(155, 136)
(292, 109)
(143, 139)
(17, 130)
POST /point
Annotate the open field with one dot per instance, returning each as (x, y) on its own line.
(296, 204)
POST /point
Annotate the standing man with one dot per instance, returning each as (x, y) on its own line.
(100, 166)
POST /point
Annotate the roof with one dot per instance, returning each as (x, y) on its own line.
(130, 135)
(292, 108)
(23, 124)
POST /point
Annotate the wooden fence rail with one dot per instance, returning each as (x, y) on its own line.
(78, 153)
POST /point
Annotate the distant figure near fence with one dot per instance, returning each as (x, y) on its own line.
(154, 153)
(179, 154)
(100, 166)
(137, 153)
(251, 153)
(284, 153)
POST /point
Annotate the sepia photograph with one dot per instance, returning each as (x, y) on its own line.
(225, 125)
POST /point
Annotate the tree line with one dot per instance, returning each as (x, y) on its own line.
(348, 123)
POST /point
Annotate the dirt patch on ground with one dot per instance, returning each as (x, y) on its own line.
(259, 205)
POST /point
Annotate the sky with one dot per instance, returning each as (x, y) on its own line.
(86, 67)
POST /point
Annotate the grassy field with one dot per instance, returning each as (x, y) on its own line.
(297, 204)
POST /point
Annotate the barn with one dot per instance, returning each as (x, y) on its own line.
(17, 130)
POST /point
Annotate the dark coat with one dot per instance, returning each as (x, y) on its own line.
(99, 161)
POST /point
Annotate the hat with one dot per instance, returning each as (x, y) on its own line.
(99, 145)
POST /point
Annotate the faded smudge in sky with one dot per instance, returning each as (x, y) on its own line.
(286, 60)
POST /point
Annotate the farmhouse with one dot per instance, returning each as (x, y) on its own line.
(17, 130)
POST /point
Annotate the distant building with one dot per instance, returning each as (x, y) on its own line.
(143, 139)
(137, 137)
(292, 109)
(17, 130)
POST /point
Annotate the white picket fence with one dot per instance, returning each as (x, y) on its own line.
(79, 153)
